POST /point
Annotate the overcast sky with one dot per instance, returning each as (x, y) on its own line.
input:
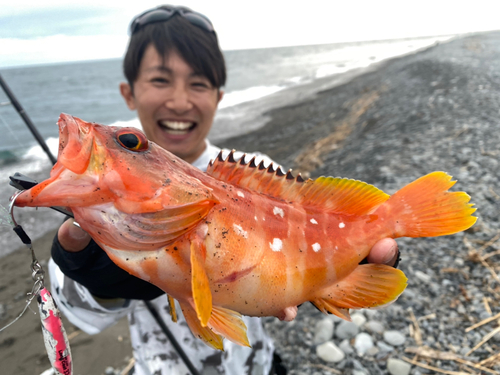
(39, 32)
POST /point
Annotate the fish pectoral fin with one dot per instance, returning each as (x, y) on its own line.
(200, 285)
(368, 286)
(229, 324)
(206, 334)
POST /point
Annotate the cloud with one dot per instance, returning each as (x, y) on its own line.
(32, 23)
(256, 24)
(60, 48)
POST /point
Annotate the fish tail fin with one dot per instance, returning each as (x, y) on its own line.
(425, 208)
(368, 286)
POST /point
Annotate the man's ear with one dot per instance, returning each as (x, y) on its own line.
(221, 95)
(128, 95)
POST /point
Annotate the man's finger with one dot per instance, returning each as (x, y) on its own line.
(384, 251)
(72, 238)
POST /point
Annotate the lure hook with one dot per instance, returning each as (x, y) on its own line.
(22, 234)
(11, 206)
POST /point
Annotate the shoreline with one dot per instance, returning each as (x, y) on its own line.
(257, 111)
(432, 110)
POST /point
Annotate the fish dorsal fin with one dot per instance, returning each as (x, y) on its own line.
(332, 194)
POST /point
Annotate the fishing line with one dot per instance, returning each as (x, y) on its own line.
(5, 219)
(36, 289)
(54, 335)
(10, 130)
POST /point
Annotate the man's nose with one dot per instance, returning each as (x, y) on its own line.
(179, 101)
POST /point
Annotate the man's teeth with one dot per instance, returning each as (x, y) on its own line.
(177, 126)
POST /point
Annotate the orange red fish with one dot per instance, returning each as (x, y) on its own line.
(241, 238)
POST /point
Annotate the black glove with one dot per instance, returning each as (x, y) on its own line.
(93, 269)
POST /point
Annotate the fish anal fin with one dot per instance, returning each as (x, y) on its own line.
(368, 286)
(326, 307)
(337, 195)
(229, 324)
(206, 334)
(200, 284)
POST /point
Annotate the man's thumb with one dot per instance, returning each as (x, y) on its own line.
(72, 238)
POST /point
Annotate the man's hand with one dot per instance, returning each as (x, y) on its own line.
(384, 251)
(72, 238)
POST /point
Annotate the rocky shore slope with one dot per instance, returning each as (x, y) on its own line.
(434, 110)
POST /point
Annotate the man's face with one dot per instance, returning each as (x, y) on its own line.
(176, 107)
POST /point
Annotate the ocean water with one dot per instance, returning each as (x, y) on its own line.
(258, 80)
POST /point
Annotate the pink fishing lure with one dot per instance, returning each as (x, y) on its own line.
(54, 334)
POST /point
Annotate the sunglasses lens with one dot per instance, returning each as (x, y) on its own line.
(151, 16)
(198, 20)
(162, 14)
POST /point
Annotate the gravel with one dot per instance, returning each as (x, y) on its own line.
(434, 110)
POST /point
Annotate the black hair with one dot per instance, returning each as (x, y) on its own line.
(199, 48)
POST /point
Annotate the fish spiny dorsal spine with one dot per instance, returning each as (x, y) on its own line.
(339, 195)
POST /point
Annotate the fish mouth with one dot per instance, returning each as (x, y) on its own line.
(177, 127)
(75, 143)
(68, 184)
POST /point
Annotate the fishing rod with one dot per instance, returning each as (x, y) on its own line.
(24, 116)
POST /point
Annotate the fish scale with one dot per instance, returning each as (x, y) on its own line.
(241, 238)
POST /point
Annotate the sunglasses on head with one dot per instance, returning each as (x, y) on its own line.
(161, 14)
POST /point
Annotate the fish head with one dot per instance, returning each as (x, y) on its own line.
(99, 164)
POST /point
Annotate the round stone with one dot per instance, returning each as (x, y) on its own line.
(363, 343)
(398, 367)
(323, 331)
(374, 326)
(329, 352)
(346, 347)
(358, 319)
(394, 338)
(384, 347)
(346, 330)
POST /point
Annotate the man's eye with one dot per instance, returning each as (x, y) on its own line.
(201, 84)
(159, 80)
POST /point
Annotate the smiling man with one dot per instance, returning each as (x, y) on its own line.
(175, 105)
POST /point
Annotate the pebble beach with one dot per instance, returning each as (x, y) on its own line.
(435, 110)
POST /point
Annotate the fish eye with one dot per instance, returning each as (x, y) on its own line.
(132, 140)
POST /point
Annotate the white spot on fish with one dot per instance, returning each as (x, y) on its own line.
(341, 225)
(255, 217)
(239, 231)
(277, 244)
(314, 221)
(278, 211)
(316, 247)
(202, 230)
(240, 194)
